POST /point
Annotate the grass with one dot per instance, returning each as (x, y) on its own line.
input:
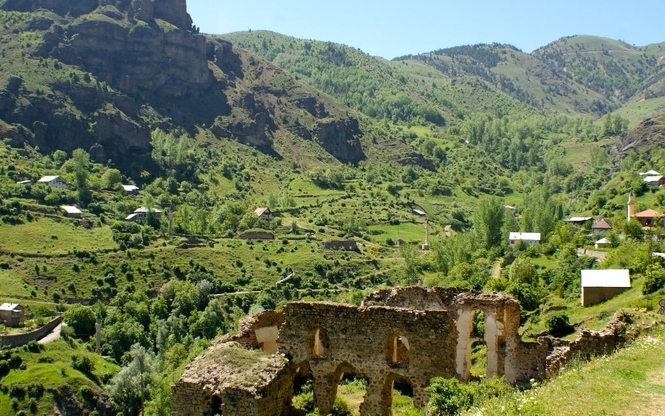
(52, 367)
(46, 236)
(629, 382)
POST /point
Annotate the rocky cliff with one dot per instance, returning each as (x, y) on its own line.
(112, 71)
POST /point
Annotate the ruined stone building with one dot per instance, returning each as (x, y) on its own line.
(407, 335)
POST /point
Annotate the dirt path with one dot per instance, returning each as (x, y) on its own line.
(52, 336)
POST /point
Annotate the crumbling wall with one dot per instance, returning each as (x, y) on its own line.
(408, 334)
(334, 339)
(588, 344)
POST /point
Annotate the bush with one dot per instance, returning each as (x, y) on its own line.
(448, 396)
(17, 391)
(4, 368)
(35, 390)
(83, 363)
(15, 361)
(558, 324)
(87, 394)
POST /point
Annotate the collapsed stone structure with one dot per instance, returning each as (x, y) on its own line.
(408, 335)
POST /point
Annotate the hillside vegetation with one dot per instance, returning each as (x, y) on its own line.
(473, 142)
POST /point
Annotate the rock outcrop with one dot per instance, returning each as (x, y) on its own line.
(134, 65)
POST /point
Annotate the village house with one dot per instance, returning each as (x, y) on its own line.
(264, 214)
(600, 285)
(601, 226)
(54, 181)
(12, 314)
(650, 172)
(648, 218)
(654, 181)
(350, 245)
(140, 215)
(71, 211)
(578, 220)
(130, 189)
(529, 239)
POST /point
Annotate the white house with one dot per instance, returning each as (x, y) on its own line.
(71, 211)
(140, 215)
(131, 189)
(529, 239)
(654, 181)
(603, 243)
(54, 181)
(600, 285)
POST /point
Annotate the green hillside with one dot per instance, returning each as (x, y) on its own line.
(473, 142)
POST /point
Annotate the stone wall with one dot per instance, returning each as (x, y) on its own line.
(409, 335)
(334, 339)
(17, 340)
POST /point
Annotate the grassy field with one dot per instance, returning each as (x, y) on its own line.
(47, 236)
(52, 369)
(630, 382)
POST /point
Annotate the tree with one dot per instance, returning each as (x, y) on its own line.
(81, 319)
(488, 222)
(410, 253)
(112, 179)
(127, 388)
(523, 271)
(80, 165)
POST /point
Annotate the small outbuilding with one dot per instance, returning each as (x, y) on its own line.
(530, 239)
(349, 245)
(71, 211)
(264, 213)
(603, 243)
(603, 284)
(12, 314)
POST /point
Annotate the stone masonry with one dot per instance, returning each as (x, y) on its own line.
(408, 335)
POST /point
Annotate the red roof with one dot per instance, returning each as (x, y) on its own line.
(601, 224)
(649, 213)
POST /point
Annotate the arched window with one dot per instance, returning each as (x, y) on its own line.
(398, 351)
(320, 343)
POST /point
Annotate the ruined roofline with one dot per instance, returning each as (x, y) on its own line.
(433, 298)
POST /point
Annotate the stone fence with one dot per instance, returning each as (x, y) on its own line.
(16, 340)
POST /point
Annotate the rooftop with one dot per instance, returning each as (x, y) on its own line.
(606, 278)
(524, 236)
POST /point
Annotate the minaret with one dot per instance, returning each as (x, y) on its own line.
(426, 245)
(631, 206)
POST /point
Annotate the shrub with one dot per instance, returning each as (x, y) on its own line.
(448, 396)
(15, 361)
(17, 391)
(87, 394)
(558, 324)
(4, 368)
(82, 363)
(35, 390)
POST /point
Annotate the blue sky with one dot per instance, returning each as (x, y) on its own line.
(391, 28)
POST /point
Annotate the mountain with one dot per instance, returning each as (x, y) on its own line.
(102, 77)
(579, 76)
